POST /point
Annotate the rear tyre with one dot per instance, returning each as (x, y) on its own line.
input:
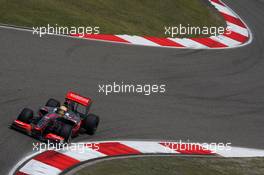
(26, 116)
(91, 123)
(53, 103)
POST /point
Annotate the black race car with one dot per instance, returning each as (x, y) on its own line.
(56, 122)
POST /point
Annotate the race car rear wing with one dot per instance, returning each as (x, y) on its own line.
(78, 98)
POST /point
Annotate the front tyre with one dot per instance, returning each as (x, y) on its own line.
(26, 115)
(53, 103)
(91, 123)
(65, 131)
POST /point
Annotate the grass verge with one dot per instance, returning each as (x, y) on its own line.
(135, 17)
(176, 166)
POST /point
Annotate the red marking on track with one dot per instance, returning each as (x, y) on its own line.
(56, 159)
(209, 42)
(236, 36)
(116, 148)
(218, 2)
(163, 41)
(233, 20)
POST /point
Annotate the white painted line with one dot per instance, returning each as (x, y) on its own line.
(83, 154)
(238, 29)
(148, 147)
(225, 40)
(188, 43)
(20, 162)
(241, 152)
(34, 167)
(223, 9)
(137, 40)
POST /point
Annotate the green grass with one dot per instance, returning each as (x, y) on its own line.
(135, 17)
(177, 166)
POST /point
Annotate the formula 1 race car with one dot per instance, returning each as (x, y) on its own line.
(56, 122)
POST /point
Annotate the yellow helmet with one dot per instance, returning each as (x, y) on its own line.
(62, 110)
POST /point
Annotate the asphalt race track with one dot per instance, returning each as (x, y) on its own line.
(212, 95)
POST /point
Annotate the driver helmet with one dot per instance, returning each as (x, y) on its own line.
(62, 110)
